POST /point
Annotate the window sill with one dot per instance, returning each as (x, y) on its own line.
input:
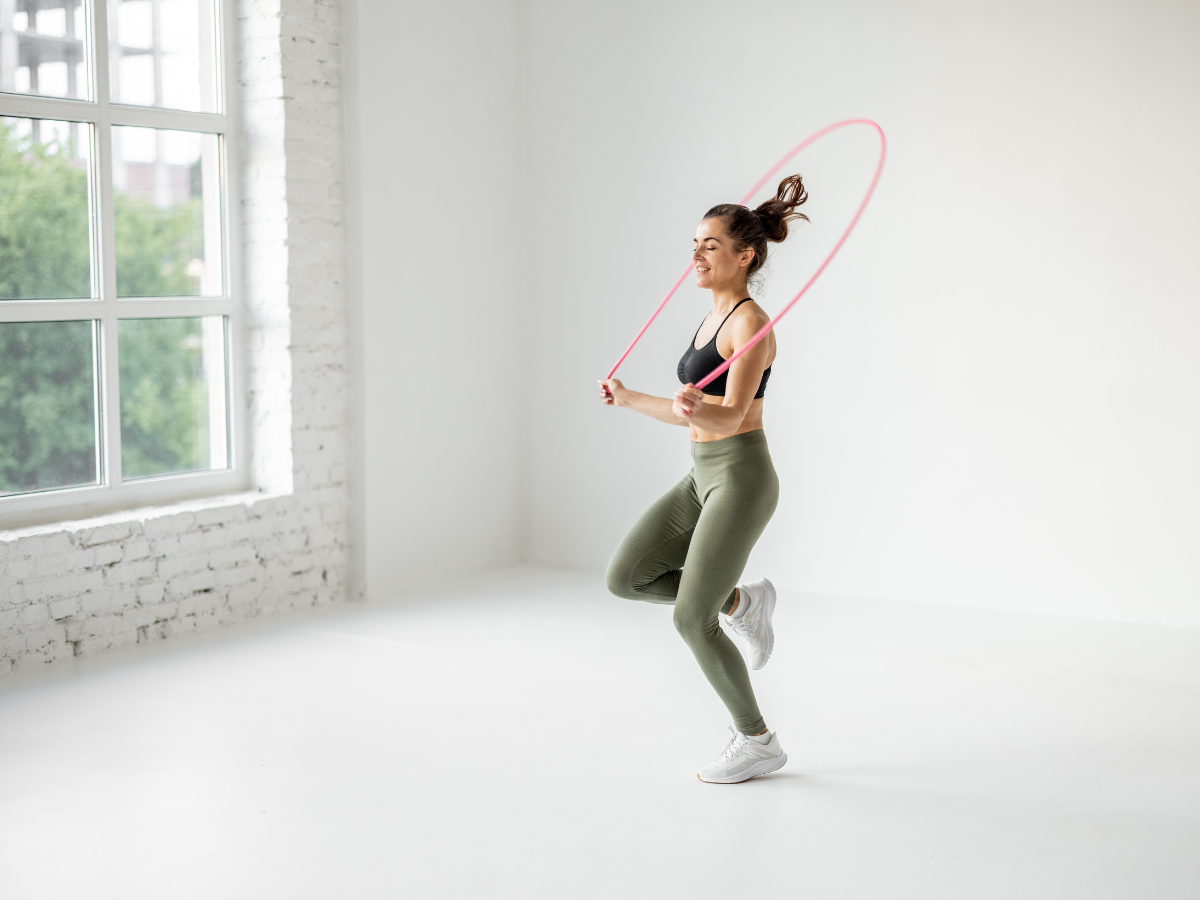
(140, 514)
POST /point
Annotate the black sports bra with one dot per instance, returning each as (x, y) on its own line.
(695, 364)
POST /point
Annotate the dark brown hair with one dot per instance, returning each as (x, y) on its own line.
(751, 229)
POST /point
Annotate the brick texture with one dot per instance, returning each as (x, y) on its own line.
(84, 587)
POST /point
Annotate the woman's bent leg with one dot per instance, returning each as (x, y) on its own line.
(738, 502)
(646, 565)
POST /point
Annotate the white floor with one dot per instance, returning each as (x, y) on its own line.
(532, 737)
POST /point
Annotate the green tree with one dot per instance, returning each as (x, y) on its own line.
(47, 405)
(44, 241)
(47, 370)
(164, 397)
(155, 246)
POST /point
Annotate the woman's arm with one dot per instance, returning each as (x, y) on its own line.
(744, 377)
(613, 393)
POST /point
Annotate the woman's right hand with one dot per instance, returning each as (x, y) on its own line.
(612, 392)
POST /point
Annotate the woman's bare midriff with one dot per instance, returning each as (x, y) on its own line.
(752, 422)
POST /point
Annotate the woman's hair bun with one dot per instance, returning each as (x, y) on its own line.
(751, 229)
(781, 209)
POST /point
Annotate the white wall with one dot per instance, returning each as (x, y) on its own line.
(432, 112)
(991, 397)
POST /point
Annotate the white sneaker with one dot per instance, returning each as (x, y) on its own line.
(755, 626)
(743, 759)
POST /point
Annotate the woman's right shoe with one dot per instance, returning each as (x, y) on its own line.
(754, 626)
(744, 758)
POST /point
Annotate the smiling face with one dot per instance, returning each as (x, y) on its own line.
(718, 265)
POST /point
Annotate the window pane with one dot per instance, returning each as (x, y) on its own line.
(172, 395)
(47, 405)
(42, 48)
(161, 53)
(167, 208)
(45, 243)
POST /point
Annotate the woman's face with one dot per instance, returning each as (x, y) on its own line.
(718, 264)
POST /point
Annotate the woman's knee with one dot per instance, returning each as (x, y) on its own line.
(620, 579)
(695, 624)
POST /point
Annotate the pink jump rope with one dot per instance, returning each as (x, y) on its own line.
(766, 329)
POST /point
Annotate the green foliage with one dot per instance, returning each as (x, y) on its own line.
(164, 397)
(44, 241)
(45, 247)
(47, 370)
(47, 405)
(154, 246)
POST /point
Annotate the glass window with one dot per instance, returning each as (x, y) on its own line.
(45, 235)
(115, 303)
(42, 48)
(166, 204)
(173, 409)
(48, 424)
(161, 53)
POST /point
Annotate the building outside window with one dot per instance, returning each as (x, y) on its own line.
(118, 305)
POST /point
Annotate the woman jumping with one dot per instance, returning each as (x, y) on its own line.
(691, 546)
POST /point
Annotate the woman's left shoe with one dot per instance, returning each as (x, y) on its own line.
(744, 758)
(754, 625)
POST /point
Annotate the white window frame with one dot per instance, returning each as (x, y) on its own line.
(111, 494)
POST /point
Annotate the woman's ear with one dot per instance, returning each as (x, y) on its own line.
(745, 257)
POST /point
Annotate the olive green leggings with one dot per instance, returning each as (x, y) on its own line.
(690, 548)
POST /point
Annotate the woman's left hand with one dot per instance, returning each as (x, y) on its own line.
(687, 400)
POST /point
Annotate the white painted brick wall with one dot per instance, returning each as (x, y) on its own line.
(84, 587)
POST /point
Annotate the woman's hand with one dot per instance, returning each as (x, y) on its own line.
(613, 393)
(687, 400)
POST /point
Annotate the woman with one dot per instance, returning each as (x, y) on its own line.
(690, 547)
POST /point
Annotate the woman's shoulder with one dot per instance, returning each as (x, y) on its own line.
(747, 320)
(749, 315)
